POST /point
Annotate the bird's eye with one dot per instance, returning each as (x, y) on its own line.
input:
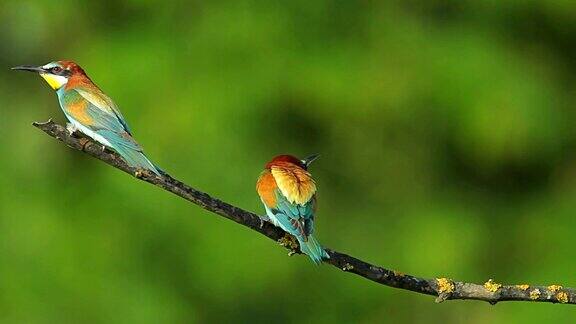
(56, 69)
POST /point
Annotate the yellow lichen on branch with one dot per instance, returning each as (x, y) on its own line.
(562, 297)
(289, 241)
(491, 286)
(554, 288)
(398, 273)
(523, 287)
(445, 286)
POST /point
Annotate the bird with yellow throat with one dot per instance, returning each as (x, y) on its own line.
(90, 111)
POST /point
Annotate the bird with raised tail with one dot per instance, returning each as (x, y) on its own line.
(288, 193)
(90, 111)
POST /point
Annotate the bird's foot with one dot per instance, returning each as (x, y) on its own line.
(263, 219)
(139, 173)
(290, 242)
(71, 129)
(84, 142)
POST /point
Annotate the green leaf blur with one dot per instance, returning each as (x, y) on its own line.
(447, 147)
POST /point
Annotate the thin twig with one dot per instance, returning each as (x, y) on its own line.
(443, 288)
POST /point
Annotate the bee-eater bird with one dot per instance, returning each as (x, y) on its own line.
(90, 111)
(288, 193)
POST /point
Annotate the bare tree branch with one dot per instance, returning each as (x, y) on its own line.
(443, 288)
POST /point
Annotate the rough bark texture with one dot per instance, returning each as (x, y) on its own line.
(443, 288)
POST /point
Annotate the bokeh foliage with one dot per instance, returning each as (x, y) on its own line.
(445, 128)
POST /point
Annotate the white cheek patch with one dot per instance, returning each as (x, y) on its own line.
(55, 81)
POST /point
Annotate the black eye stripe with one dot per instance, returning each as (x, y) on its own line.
(60, 71)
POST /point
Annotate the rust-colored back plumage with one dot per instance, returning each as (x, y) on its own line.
(266, 187)
(288, 174)
(295, 183)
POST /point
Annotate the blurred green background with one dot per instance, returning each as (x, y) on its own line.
(445, 128)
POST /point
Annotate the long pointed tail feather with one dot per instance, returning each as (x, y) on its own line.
(136, 159)
(313, 249)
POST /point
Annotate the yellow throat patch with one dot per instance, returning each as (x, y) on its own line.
(55, 81)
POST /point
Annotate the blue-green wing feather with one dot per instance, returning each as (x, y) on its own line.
(298, 220)
(107, 106)
(108, 123)
(295, 213)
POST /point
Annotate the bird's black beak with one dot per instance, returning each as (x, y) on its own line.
(307, 161)
(29, 68)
